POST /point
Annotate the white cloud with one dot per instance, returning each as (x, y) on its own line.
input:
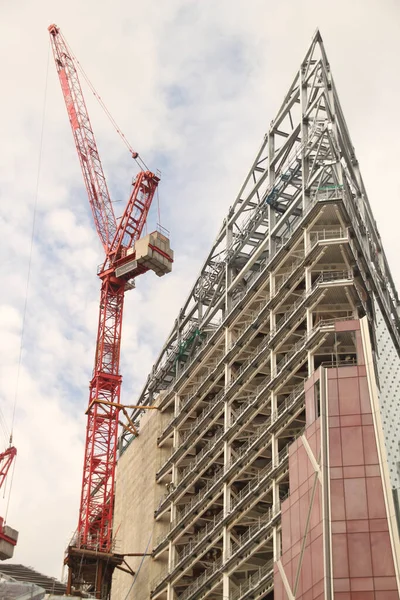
(194, 86)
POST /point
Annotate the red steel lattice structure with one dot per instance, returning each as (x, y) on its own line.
(7, 535)
(6, 459)
(96, 507)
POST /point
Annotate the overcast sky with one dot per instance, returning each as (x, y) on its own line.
(193, 85)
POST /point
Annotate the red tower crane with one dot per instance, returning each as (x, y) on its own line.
(90, 556)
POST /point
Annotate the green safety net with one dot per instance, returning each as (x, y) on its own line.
(183, 346)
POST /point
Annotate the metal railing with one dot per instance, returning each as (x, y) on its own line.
(325, 234)
(265, 473)
(254, 355)
(323, 277)
(319, 197)
(253, 530)
(300, 345)
(263, 267)
(214, 481)
(288, 403)
(255, 580)
(190, 547)
(192, 588)
(260, 523)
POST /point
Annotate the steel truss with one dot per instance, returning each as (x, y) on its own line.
(306, 150)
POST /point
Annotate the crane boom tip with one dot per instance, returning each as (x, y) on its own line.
(53, 29)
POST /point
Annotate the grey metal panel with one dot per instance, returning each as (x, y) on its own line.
(388, 368)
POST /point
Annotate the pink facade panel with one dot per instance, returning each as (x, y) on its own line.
(306, 568)
(352, 446)
(362, 560)
(349, 397)
(355, 498)
(363, 565)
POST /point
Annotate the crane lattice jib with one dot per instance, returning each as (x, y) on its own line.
(85, 142)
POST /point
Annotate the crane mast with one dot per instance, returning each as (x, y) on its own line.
(90, 556)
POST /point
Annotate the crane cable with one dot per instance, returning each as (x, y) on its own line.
(140, 162)
(142, 165)
(142, 561)
(29, 273)
(4, 427)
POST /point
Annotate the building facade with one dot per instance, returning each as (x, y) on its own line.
(272, 461)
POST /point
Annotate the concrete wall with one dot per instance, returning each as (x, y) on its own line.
(137, 496)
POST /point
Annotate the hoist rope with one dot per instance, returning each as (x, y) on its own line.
(140, 162)
(142, 165)
(142, 561)
(28, 275)
(158, 207)
(4, 427)
(28, 279)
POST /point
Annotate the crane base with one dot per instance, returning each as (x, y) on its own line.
(90, 572)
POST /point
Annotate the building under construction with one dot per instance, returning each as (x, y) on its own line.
(271, 467)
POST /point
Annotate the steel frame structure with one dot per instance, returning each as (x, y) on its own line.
(298, 250)
(293, 162)
(93, 543)
(6, 459)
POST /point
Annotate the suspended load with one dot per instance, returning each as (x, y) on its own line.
(153, 251)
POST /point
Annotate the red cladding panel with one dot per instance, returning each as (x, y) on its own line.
(352, 446)
(339, 555)
(335, 447)
(370, 451)
(362, 553)
(359, 554)
(337, 500)
(382, 560)
(355, 494)
(365, 401)
(349, 402)
(376, 502)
